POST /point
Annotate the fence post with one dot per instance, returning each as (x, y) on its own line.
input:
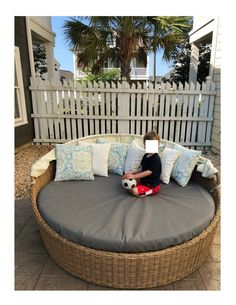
(123, 108)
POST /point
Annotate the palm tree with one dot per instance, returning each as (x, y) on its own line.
(121, 38)
(116, 38)
(167, 34)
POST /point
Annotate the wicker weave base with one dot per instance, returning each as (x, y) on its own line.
(126, 270)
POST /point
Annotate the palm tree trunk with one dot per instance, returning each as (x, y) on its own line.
(125, 71)
(154, 64)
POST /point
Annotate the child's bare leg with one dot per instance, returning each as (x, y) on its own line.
(134, 191)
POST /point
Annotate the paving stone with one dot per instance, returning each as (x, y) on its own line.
(60, 283)
(193, 276)
(164, 287)
(22, 203)
(23, 212)
(53, 269)
(29, 264)
(216, 240)
(208, 259)
(189, 285)
(215, 253)
(97, 287)
(25, 283)
(29, 239)
(20, 222)
(210, 274)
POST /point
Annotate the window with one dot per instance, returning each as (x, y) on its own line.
(20, 107)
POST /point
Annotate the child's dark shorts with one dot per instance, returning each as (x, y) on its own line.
(144, 190)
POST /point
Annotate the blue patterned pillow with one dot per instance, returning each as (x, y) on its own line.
(184, 165)
(117, 156)
(74, 162)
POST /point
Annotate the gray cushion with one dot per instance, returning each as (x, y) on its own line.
(100, 214)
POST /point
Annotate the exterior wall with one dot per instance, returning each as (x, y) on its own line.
(24, 134)
(200, 21)
(216, 77)
(205, 28)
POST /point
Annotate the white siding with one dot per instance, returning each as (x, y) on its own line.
(216, 128)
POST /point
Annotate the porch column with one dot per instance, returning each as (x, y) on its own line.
(50, 59)
(194, 61)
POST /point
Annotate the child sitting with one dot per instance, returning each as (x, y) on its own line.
(149, 183)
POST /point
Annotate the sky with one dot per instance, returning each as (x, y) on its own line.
(65, 58)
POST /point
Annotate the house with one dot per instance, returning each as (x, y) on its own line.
(66, 75)
(138, 70)
(208, 30)
(29, 31)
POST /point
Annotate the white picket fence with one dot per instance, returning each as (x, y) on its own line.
(183, 114)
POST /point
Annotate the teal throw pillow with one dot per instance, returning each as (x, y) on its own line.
(117, 156)
(74, 162)
(184, 165)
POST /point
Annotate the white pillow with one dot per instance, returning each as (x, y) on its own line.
(134, 157)
(100, 157)
(168, 158)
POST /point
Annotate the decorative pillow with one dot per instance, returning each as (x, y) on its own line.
(100, 157)
(117, 155)
(184, 165)
(168, 158)
(134, 157)
(74, 162)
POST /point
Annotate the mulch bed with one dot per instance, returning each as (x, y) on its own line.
(25, 158)
(23, 162)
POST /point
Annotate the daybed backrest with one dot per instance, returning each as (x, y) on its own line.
(124, 138)
(42, 164)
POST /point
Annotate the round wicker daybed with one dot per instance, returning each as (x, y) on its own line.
(127, 270)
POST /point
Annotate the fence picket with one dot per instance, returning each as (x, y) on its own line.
(42, 108)
(55, 109)
(150, 107)
(210, 114)
(113, 109)
(49, 110)
(195, 114)
(190, 114)
(161, 114)
(96, 108)
(132, 111)
(166, 114)
(179, 101)
(78, 95)
(144, 109)
(108, 108)
(90, 108)
(173, 109)
(204, 102)
(67, 111)
(138, 109)
(102, 108)
(184, 114)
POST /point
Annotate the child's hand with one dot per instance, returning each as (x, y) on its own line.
(128, 176)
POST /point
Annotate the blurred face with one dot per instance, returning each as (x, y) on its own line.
(151, 146)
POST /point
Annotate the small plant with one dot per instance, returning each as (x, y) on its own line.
(105, 76)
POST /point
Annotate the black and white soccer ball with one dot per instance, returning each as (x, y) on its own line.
(129, 184)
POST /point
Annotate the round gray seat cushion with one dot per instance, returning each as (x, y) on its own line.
(100, 214)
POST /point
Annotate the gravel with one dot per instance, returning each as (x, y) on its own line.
(25, 158)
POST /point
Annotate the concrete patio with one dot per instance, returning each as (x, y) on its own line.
(35, 270)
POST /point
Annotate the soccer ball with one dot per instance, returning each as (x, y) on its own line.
(129, 184)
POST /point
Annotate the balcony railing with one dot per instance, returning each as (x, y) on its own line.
(136, 73)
